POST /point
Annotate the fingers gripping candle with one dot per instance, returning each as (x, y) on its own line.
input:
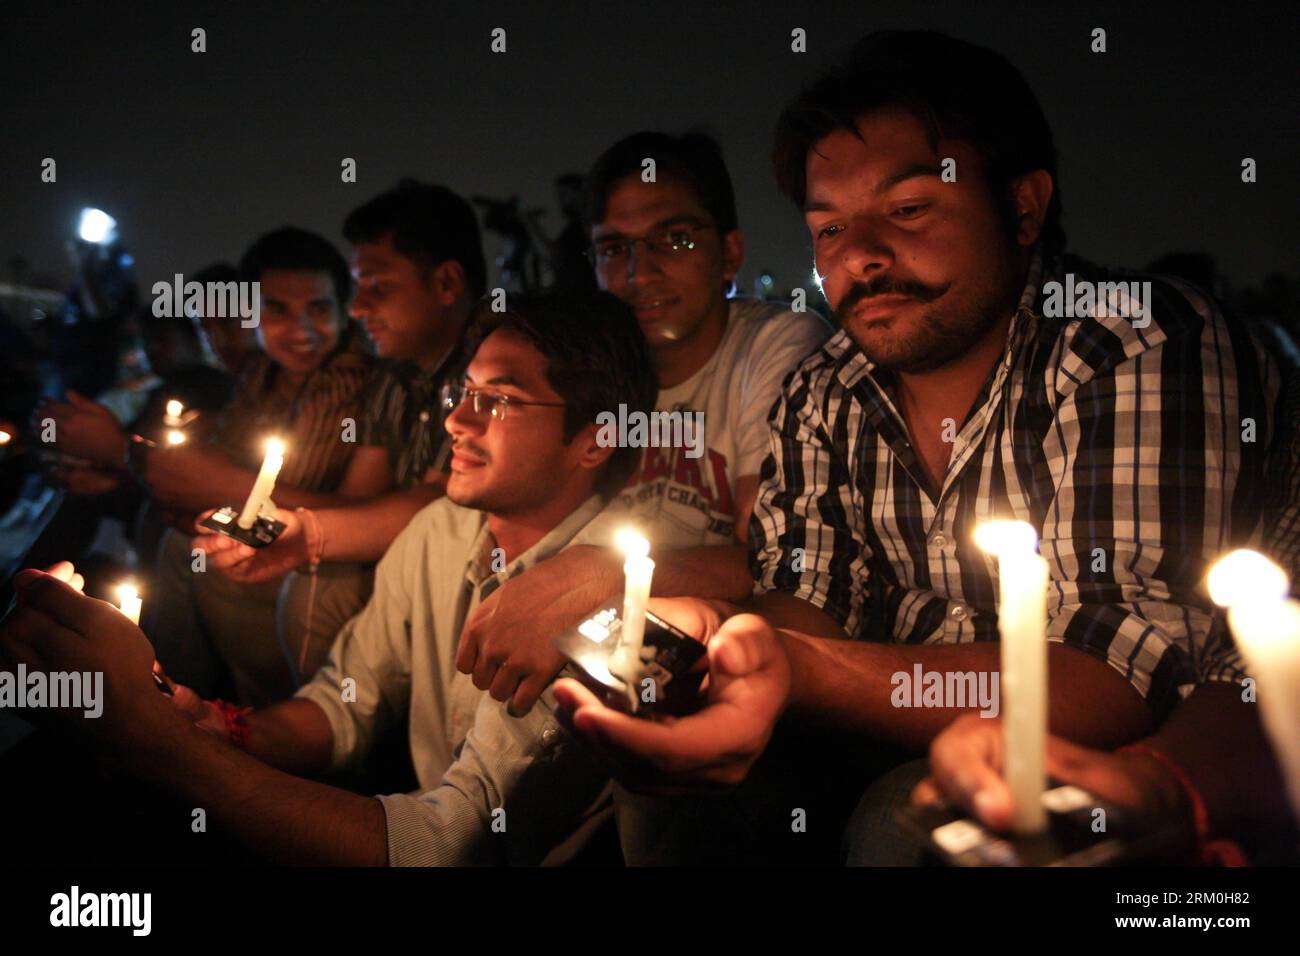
(264, 484)
(1022, 622)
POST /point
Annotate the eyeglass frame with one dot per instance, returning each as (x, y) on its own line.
(649, 238)
(495, 401)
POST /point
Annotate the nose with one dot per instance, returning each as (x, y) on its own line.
(640, 264)
(359, 308)
(864, 253)
(461, 422)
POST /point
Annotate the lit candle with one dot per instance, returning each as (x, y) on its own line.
(264, 484)
(4, 437)
(1022, 621)
(638, 570)
(129, 601)
(175, 411)
(175, 437)
(1267, 628)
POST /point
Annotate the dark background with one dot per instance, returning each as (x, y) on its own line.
(195, 154)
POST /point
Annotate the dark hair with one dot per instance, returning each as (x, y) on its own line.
(596, 360)
(695, 158)
(955, 89)
(429, 225)
(292, 248)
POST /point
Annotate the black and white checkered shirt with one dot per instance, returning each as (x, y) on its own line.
(1122, 445)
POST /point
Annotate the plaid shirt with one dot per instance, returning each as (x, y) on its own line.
(1122, 446)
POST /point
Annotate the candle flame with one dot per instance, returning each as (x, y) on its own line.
(1003, 537)
(1246, 577)
(275, 446)
(126, 592)
(4, 437)
(174, 408)
(632, 543)
(175, 437)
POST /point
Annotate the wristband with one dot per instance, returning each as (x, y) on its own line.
(315, 536)
(1211, 852)
(236, 722)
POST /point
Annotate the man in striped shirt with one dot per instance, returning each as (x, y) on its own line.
(976, 376)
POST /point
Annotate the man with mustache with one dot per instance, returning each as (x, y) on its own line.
(956, 392)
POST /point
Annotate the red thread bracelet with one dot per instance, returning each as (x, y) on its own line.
(236, 723)
(1213, 852)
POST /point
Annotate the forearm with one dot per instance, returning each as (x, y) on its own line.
(849, 684)
(1219, 742)
(285, 818)
(363, 532)
(785, 611)
(293, 735)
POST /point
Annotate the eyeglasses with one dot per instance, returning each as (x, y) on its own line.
(615, 253)
(494, 404)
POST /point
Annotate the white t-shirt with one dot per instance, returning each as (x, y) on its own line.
(680, 501)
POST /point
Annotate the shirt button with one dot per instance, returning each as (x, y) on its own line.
(940, 540)
(959, 612)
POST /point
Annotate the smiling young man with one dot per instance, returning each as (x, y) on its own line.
(669, 248)
(305, 385)
(527, 474)
(958, 391)
(418, 264)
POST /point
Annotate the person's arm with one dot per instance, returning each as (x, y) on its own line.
(289, 819)
(850, 684)
(357, 532)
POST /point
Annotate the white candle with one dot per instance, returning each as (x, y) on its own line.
(129, 601)
(638, 571)
(4, 437)
(1267, 628)
(1022, 622)
(175, 411)
(264, 484)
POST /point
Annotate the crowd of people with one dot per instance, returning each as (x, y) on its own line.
(449, 509)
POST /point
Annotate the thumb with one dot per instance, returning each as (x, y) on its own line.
(741, 646)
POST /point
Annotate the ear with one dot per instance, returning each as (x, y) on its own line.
(733, 254)
(589, 452)
(1031, 194)
(448, 282)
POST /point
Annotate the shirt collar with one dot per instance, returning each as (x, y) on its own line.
(479, 572)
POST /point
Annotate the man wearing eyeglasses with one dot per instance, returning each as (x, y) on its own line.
(527, 473)
(665, 240)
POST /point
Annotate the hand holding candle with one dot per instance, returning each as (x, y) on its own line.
(264, 484)
(1022, 621)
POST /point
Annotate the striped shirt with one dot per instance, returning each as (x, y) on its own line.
(403, 413)
(309, 418)
(1121, 445)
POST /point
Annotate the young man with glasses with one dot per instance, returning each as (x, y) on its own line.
(670, 248)
(527, 473)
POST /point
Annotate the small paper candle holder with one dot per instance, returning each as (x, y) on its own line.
(1081, 831)
(265, 529)
(662, 682)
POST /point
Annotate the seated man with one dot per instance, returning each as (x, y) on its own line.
(304, 389)
(418, 264)
(961, 389)
(527, 474)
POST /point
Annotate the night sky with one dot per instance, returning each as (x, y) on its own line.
(196, 154)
